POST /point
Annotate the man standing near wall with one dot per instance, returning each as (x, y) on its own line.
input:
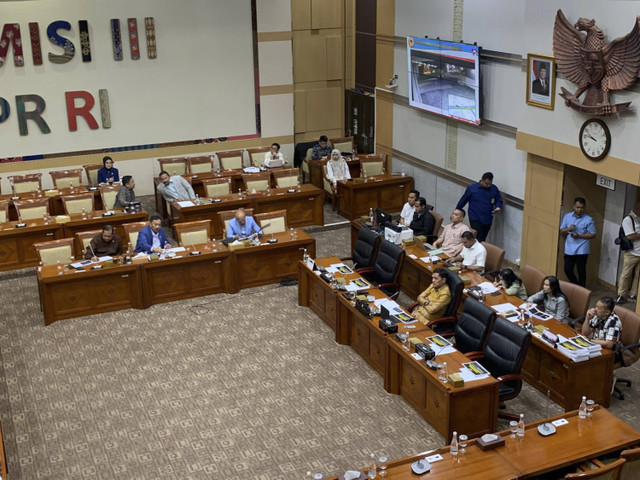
(579, 228)
(631, 258)
(484, 201)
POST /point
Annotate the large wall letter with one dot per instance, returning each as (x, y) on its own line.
(67, 45)
(36, 50)
(116, 38)
(11, 35)
(133, 38)
(35, 115)
(85, 44)
(4, 105)
(83, 111)
(150, 28)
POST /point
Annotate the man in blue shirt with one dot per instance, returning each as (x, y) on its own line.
(484, 201)
(242, 226)
(152, 237)
(579, 228)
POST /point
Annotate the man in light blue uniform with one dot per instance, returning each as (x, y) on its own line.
(579, 228)
(242, 226)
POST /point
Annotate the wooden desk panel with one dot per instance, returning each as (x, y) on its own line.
(316, 173)
(386, 191)
(16, 244)
(209, 211)
(315, 293)
(74, 293)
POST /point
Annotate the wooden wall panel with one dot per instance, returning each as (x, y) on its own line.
(335, 58)
(323, 109)
(309, 57)
(326, 14)
(300, 14)
(384, 120)
(299, 108)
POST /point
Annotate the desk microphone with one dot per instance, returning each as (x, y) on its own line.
(432, 364)
(545, 429)
(194, 252)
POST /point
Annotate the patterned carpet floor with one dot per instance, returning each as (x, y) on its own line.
(221, 387)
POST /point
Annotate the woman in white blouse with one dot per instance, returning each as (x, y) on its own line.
(337, 168)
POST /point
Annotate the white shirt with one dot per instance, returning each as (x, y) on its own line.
(268, 159)
(627, 226)
(338, 170)
(407, 213)
(475, 255)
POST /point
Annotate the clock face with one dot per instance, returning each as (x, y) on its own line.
(595, 139)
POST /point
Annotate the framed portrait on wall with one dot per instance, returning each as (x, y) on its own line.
(541, 81)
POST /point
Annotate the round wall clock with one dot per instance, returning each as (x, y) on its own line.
(595, 139)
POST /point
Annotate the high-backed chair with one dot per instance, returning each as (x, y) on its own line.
(329, 189)
(493, 263)
(25, 183)
(256, 181)
(193, 233)
(231, 159)
(55, 251)
(286, 177)
(606, 472)
(4, 212)
(202, 164)
(227, 215)
(365, 249)
(30, 209)
(272, 222)
(108, 193)
(173, 166)
(631, 468)
(344, 144)
(66, 178)
(503, 357)
(78, 203)
(532, 279)
(306, 172)
(371, 165)
(92, 172)
(256, 155)
(578, 298)
(630, 338)
(84, 238)
(216, 187)
(473, 326)
(385, 271)
(131, 231)
(447, 323)
(437, 225)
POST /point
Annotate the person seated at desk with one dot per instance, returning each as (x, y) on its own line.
(511, 284)
(337, 168)
(105, 243)
(473, 254)
(552, 299)
(126, 193)
(175, 188)
(242, 226)
(406, 215)
(273, 158)
(321, 149)
(422, 222)
(435, 299)
(601, 325)
(152, 237)
(450, 241)
(108, 174)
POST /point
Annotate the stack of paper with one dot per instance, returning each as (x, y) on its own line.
(594, 349)
(508, 311)
(440, 345)
(574, 351)
(487, 288)
(473, 371)
(539, 314)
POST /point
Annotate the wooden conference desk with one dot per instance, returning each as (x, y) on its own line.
(386, 191)
(16, 244)
(140, 285)
(530, 456)
(316, 170)
(55, 201)
(304, 207)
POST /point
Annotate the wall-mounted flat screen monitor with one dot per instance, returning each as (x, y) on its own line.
(444, 78)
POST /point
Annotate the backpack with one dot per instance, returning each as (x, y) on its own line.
(622, 240)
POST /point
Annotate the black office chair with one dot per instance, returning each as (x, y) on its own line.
(473, 326)
(385, 271)
(447, 323)
(364, 251)
(503, 357)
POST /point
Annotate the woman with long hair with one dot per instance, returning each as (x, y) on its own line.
(552, 299)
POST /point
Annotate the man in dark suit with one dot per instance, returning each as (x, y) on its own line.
(541, 84)
(423, 222)
(152, 237)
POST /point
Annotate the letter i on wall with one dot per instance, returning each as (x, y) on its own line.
(151, 37)
(132, 23)
(117, 39)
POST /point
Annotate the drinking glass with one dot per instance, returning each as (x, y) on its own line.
(291, 233)
(382, 465)
(462, 443)
(590, 406)
(513, 428)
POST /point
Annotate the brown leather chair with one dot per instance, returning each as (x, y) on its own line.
(438, 219)
(193, 233)
(31, 209)
(203, 164)
(216, 187)
(92, 172)
(173, 166)
(108, 194)
(631, 347)
(25, 183)
(231, 159)
(84, 238)
(606, 472)
(578, 298)
(371, 165)
(131, 231)
(76, 203)
(55, 251)
(344, 144)
(227, 215)
(493, 263)
(256, 155)
(532, 279)
(286, 177)
(630, 468)
(272, 222)
(256, 181)
(66, 178)
(329, 189)
(4, 212)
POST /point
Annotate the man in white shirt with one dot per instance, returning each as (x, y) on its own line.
(273, 158)
(450, 241)
(631, 258)
(406, 216)
(473, 255)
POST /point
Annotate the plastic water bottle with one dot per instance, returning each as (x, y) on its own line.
(520, 431)
(582, 411)
(442, 372)
(197, 199)
(84, 214)
(453, 448)
(371, 472)
(371, 215)
(305, 256)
